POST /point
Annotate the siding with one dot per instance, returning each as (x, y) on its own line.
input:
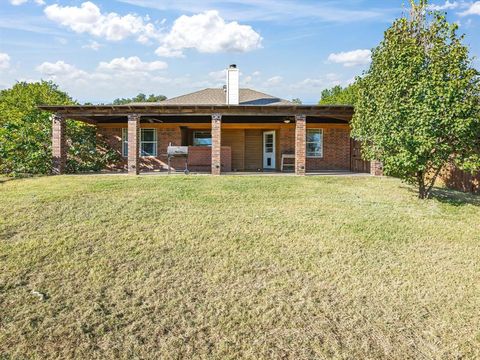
(253, 150)
(235, 139)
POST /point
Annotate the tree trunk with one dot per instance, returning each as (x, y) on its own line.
(421, 185)
(432, 182)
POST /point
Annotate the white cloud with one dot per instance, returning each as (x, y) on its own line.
(20, 2)
(164, 51)
(4, 61)
(274, 10)
(207, 32)
(351, 58)
(131, 65)
(322, 82)
(446, 6)
(93, 45)
(474, 9)
(88, 19)
(219, 75)
(113, 79)
(60, 69)
(17, 2)
(273, 81)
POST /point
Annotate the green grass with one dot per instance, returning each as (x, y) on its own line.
(237, 267)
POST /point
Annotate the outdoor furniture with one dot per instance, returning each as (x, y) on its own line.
(177, 151)
(287, 164)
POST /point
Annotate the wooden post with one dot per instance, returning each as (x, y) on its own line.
(216, 144)
(300, 144)
(133, 143)
(59, 146)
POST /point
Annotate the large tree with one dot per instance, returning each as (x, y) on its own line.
(339, 95)
(26, 132)
(140, 98)
(418, 104)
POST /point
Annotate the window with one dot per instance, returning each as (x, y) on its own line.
(124, 142)
(148, 142)
(202, 138)
(315, 142)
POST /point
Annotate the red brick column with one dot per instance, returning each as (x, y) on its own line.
(216, 144)
(300, 144)
(59, 146)
(376, 168)
(133, 143)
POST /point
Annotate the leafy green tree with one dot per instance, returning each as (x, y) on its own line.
(297, 101)
(418, 104)
(26, 132)
(140, 98)
(339, 95)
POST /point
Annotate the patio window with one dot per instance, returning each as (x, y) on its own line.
(315, 143)
(202, 138)
(148, 142)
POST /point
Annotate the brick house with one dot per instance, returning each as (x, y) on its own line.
(225, 130)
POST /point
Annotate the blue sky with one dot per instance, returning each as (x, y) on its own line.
(100, 50)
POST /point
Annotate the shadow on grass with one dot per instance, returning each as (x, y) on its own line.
(7, 178)
(447, 196)
(4, 179)
(454, 197)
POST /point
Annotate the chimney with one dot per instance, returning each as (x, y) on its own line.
(233, 92)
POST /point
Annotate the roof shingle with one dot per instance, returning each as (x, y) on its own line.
(218, 97)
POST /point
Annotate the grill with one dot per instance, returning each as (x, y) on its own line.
(177, 152)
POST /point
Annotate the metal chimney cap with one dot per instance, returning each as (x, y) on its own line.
(233, 66)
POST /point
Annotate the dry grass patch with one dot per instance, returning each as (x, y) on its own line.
(236, 267)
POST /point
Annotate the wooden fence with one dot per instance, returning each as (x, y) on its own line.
(457, 179)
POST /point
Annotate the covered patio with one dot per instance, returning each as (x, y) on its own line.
(233, 143)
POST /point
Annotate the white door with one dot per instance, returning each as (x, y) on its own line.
(269, 150)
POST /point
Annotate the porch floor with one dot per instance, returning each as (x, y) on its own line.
(264, 173)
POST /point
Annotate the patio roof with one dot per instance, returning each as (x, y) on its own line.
(97, 113)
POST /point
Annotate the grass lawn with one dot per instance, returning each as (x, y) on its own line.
(236, 267)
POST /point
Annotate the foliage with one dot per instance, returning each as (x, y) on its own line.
(418, 104)
(339, 95)
(297, 101)
(87, 152)
(25, 132)
(140, 98)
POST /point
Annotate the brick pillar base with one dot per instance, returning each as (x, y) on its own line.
(376, 168)
(133, 143)
(59, 146)
(216, 144)
(300, 144)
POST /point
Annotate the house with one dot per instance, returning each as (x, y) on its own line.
(225, 130)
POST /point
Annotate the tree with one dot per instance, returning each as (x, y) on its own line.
(297, 101)
(140, 98)
(26, 132)
(339, 95)
(418, 104)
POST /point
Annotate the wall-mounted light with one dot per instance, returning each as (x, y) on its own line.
(286, 121)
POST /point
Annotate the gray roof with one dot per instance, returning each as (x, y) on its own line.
(218, 97)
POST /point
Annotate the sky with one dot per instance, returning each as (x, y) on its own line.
(100, 50)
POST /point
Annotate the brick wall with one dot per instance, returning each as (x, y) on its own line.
(200, 158)
(336, 148)
(287, 140)
(336, 151)
(113, 138)
(59, 147)
(300, 143)
(216, 143)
